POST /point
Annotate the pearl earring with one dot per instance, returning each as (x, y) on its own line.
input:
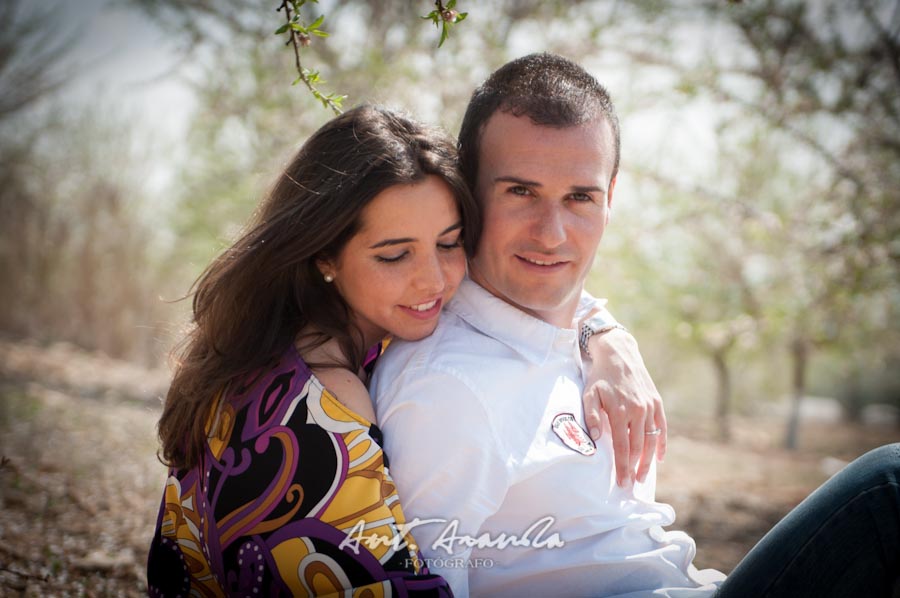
(329, 278)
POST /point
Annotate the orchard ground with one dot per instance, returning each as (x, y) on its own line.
(80, 483)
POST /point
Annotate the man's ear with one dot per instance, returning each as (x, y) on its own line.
(609, 193)
(609, 198)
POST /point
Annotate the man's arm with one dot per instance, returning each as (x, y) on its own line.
(620, 388)
(446, 462)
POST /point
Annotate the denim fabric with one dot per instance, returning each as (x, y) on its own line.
(843, 541)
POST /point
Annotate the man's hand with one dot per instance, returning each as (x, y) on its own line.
(619, 387)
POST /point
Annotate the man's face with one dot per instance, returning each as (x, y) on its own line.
(546, 195)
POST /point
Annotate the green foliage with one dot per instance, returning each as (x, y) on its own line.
(297, 24)
(299, 36)
(444, 17)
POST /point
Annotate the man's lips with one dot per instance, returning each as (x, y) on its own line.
(546, 262)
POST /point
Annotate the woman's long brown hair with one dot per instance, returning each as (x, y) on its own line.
(253, 300)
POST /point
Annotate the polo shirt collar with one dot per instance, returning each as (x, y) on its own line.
(531, 337)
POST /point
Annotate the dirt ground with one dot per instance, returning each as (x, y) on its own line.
(80, 483)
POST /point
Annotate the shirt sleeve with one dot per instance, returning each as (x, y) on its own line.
(445, 459)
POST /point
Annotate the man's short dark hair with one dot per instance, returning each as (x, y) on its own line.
(548, 89)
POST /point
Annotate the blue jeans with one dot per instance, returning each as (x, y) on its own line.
(842, 541)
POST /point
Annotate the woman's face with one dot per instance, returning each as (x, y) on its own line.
(405, 262)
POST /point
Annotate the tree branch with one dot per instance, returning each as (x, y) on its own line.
(887, 39)
(329, 101)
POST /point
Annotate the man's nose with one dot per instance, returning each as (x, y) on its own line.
(549, 225)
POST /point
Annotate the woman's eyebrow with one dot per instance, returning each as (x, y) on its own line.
(389, 242)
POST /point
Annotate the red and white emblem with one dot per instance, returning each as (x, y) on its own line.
(572, 434)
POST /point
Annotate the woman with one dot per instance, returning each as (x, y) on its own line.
(268, 427)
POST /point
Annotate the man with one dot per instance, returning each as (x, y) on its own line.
(504, 490)
(483, 420)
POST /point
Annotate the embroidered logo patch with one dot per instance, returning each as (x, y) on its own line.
(572, 434)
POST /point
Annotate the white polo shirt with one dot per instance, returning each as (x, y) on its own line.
(476, 429)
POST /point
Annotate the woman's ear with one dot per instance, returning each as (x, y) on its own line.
(327, 269)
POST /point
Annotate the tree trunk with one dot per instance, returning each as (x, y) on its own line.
(799, 359)
(723, 395)
(853, 398)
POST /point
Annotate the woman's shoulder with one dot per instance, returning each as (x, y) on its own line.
(339, 384)
(346, 387)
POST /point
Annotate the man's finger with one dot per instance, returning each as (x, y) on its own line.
(636, 444)
(650, 444)
(663, 439)
(621, 446)
(592, 419)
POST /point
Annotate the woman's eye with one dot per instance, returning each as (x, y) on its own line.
(389, 259)
(457, 242)
(518, 190)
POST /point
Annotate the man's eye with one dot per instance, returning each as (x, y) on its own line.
(581, 197)
(390, 259)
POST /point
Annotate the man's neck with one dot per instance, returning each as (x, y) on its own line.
(561, 316)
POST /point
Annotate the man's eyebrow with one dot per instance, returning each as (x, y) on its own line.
(527, 183)
(588, 189)
(516, 180)
(401, 241)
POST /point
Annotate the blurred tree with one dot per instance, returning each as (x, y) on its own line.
(77, 234)
(71, 228)
(715, 305)
(30, 64)
(823, 83)
(27, 75)
(864, 368)
(701, 262)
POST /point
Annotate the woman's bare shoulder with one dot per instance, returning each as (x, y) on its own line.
(348, 389)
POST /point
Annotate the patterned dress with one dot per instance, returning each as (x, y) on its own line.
(293, 498)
